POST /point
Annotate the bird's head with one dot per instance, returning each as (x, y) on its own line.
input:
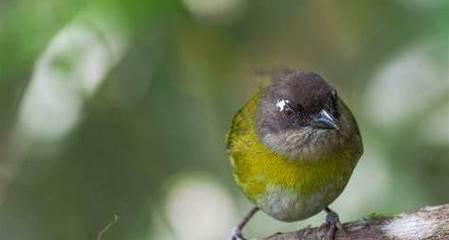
(301, 116)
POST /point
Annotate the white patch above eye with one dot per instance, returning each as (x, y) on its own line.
(281, 103)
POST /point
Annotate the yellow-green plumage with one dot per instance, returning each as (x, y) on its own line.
(271, 180)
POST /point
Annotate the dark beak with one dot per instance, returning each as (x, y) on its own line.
(324, 121)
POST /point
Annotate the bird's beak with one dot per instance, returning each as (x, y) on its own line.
(324, 120)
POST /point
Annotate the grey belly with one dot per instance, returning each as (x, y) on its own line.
(289, 205)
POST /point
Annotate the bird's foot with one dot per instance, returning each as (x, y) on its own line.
(236, 234)
(333, 224)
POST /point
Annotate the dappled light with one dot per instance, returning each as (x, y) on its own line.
(69, 71)
(193, 204)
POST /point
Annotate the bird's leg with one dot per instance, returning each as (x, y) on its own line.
(333, 224)
(236, 233)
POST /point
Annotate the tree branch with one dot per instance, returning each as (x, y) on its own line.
(428, 223)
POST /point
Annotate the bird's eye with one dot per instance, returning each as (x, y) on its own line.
(332, 104)
(288, 112)
(334, 98)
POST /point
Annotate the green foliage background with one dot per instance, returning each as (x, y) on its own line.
(163, 108)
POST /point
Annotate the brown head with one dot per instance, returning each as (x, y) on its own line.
(301, 116)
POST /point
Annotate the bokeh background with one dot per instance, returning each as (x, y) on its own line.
(120, 108)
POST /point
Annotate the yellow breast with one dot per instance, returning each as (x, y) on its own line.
(286, 189)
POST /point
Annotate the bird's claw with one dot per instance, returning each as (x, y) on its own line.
(333, 224)
(236, 234)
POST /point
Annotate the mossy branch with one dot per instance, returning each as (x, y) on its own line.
(428, 223)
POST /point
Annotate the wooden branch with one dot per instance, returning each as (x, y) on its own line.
(428, 223)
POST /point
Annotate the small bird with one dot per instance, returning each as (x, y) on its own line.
(293, 148)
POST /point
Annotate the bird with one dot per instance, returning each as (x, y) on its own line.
(293, 148)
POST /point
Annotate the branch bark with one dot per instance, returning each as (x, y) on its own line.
(428, 223)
